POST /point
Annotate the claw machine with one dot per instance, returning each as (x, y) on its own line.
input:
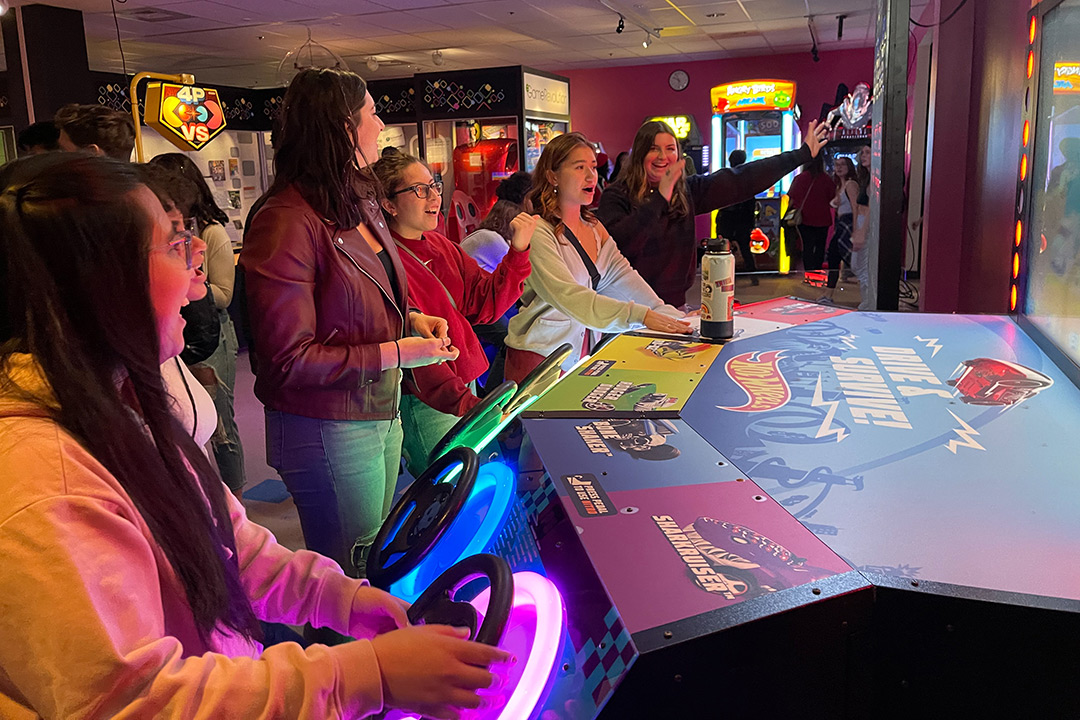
(478, 127)
(760, 117)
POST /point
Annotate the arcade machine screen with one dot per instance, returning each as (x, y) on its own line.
(1052, 301)
(538, 133)
(472, 157)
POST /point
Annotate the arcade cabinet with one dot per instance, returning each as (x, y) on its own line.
(760, 117)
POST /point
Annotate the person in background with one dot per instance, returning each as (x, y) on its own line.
(217, 373)
(620, 163)
(95, 129)
(447, 283)
(860, 261)
(580, 285)
(812, 192)
(40, 137)
(191, 404)
(129, 571)
(650, 208)
(332, 330)
(737, 221)
(847, 193)
(489, 243)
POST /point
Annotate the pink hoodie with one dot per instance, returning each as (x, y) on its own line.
(94, 623)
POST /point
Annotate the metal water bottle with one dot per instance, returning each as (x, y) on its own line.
(717, 291)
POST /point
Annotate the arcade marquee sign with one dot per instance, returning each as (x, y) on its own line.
(187, 116)
(753, 95)
(1066, 78)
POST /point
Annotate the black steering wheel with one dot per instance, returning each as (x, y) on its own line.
(479, 421)
(436, 606)
(420, 517)
(540, 380)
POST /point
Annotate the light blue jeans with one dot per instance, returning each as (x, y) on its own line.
(341, 475)
(424, 427)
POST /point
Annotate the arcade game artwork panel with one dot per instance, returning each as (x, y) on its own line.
(760, 117)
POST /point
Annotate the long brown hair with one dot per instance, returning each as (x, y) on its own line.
(634, 176)
(81, 307)
(315, 141)
(543, 196)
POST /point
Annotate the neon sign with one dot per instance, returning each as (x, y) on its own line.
(189, 117)
(753, 95)
(681, 124)
(1066, 77)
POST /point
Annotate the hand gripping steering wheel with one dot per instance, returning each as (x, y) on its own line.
(421, 516)
(437, 604)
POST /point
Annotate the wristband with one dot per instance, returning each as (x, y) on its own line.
(398, 348)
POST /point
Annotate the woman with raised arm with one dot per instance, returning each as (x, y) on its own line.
(581, 286)
(132, 580)
(650, 207)
(332, 330)
(445, 282)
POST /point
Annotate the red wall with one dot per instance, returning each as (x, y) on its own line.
(609, 104)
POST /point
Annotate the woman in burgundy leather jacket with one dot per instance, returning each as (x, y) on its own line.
(326, 297)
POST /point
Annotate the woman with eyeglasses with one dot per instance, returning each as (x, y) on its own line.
(332, 329)
(132, 580)
(445, 282)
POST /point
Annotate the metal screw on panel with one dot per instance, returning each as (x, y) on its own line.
(904, 684)
(949, 628)
(603, 645)
(667, 635)
(566, 667)
(816, 591)
(914, 583)
(678, 678)
(721, 463)
(558, 544)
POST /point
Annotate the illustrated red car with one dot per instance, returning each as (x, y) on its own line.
(985, 381)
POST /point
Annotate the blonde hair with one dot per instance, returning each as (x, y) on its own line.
(543, 196)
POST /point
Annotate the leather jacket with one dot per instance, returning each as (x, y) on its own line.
(319, 303)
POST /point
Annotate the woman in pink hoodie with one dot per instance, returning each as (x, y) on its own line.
(132, 582)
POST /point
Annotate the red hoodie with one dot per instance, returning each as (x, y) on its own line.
(481, 297)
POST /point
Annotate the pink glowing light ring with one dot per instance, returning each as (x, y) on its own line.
(532, 593)
(536, 595)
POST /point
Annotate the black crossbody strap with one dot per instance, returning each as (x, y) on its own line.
(594, 274)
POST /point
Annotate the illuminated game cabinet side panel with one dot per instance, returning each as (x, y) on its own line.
(1044, 265)
(751, 104)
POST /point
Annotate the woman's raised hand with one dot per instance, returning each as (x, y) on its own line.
(523, 227)
(817, 134)
(671, 176)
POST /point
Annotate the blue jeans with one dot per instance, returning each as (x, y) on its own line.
(228, 451)
(341, 475)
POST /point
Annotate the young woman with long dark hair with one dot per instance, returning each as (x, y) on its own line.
(845, 202)
(445, 282)
(132, 580)
(217, 373)
(650, 207)
(580, 285)
(332, 331)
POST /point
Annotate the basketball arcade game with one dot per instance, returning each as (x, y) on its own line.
(760, 117)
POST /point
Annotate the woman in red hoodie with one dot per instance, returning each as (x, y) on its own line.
(445, 281)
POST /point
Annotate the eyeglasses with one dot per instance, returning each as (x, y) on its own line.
(421, 190)
(184, 238)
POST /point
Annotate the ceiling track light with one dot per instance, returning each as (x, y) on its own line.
(647, 41)
(373, 63)
(621, 26)
(437, 58)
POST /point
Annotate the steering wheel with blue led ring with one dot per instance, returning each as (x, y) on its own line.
(421, 516)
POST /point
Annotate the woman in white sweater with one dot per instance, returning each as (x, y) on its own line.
(581, 286)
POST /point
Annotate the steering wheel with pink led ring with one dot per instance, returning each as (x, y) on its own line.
(421, 516)
(437, 606)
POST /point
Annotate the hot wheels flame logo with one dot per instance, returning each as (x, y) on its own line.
(758, 374)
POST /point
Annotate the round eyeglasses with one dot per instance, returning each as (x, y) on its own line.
(421, 190)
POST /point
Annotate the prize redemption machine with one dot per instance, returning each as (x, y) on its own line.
(478, 127)
(760, 117)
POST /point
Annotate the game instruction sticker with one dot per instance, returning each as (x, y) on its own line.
(634, 352)
(597, 390)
